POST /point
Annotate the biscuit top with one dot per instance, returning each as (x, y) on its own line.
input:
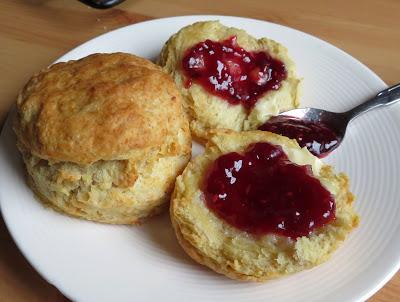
(101, 107)
(211, 109)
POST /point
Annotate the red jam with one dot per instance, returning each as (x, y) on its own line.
(232, 73)
(319, 139)
(262, 192)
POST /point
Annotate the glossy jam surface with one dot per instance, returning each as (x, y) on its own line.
(262, 192)
(319, 139)
(232, 73)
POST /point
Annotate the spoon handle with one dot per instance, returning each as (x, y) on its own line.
(386, 97)
(101, 4)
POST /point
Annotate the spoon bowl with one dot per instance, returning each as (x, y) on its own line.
(315, 128)
(336, 121)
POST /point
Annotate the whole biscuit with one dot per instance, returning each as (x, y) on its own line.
(103, 138)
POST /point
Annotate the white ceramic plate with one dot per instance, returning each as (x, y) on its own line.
(95, 262)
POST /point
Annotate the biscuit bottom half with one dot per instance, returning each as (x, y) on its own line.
(238, 254)
(113, 191)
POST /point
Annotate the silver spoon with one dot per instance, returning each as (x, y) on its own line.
(338, 121)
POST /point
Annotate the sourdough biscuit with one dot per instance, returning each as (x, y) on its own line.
(237, 254)
(104, 137)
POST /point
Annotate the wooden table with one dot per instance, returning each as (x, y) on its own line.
(33, 33)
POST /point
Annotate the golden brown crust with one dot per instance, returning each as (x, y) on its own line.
(100, 107)
(236, 254)
(103, 138)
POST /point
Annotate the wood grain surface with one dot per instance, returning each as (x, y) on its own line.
(33, 33)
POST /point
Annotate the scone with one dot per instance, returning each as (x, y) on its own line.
(229, 79)
(103, 138)
(255, 206)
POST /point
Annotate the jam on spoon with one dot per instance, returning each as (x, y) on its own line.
(262, 192)
(319, 139)
(232, 73)
(322, 131)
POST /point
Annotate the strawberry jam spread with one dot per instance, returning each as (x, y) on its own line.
(262, 192)
(232, 73)
(319, 139)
